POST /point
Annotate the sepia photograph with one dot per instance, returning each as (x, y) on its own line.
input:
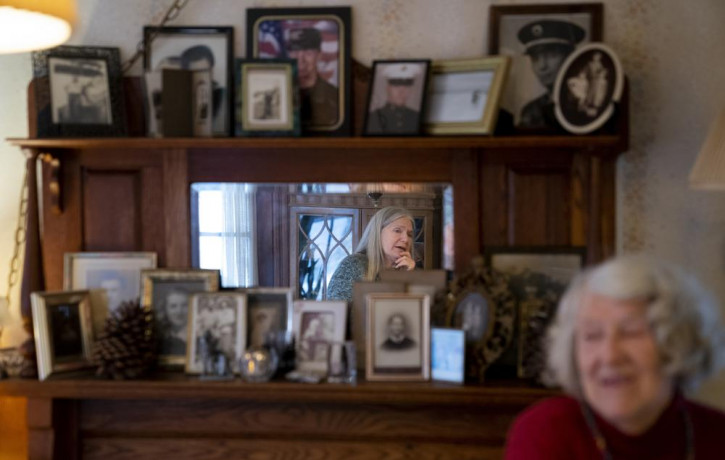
(317, 324)
(269, 314)
(398, 337)
(266, 100)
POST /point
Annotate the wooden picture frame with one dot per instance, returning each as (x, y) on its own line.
(398, 345)
(319, 39)
(589, 85)
(464, 95)
(267, 104)
(63, 331)
(515, 30)
(111, 277)
(223, 316)
(317, 324)
(79, 92)
(537, 276)
(166, 294)
(396, 99)
(269, 309)
(197, 48)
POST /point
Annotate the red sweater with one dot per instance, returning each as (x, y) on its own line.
(555, 429)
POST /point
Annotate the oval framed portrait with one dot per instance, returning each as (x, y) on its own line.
(587, 87)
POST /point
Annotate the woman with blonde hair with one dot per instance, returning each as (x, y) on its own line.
(386, 243)
(630, 340)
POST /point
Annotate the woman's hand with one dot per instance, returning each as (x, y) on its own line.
(404, 262)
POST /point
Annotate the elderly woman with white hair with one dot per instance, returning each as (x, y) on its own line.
(631, 337)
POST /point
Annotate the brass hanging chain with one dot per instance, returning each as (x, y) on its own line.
(170, 15)
(20, 234)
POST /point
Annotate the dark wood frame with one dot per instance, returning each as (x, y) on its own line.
(497, 12)
(528, 344)
(242, 125)
(227, 33)
(423, 93)
(342, 15)
(44, 88)
(285, 311)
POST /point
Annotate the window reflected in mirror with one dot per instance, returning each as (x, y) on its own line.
(297, 234)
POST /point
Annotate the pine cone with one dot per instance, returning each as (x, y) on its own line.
(127, 347)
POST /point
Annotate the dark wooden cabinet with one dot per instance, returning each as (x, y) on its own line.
(133, 194)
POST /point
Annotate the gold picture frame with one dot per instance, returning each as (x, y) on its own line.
(181, 284)
(63, 330)
(450, 110)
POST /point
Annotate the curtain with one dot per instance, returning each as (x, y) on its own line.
(239, 235)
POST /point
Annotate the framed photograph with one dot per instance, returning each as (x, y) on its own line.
(266, 97)
(217, 325)
(319, 40)
(111, 277)
(397, 98)
(538, 38)
(537, 276)
(448, 353)
(464, 95)
(317, 324)
(481, 304)
(79, 92)
(269, 310)
(398, 346)
(166, 294)
(589, 84)
(196, 48)
(63, 331)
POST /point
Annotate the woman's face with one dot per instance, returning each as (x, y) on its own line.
(177, 309)
(396, 238)
(619, 363)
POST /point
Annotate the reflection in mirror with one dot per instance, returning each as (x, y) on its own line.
(297, 234)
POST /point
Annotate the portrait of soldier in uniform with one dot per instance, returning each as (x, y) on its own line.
(396, 98)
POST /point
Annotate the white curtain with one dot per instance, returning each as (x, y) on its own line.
(239, 235)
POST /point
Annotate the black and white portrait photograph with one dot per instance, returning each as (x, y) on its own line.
(63, 331)
(316, 325)
(166, 293)
(196, 48)
(80, 91)
(318, 39)
(396, 98)
(217, 332)
(398, 336)
(589, 84)
(539, 38)
(267, 101)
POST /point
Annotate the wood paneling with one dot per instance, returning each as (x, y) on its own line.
(13, 428)
(111, 210)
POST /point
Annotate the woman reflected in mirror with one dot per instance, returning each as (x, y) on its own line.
(386, 244)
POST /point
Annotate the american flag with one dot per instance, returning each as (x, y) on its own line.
(272, 34)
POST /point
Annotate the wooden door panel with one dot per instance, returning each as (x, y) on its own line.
(112, 210)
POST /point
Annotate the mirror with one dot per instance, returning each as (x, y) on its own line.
(296, 234)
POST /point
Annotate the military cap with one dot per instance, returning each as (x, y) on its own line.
(401, 74)
(550, 32)
(308, 38)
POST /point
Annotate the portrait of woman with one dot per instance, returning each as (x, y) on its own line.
(631, 340)
(386, 244)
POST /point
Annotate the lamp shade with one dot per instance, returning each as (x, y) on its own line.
(709, 170)
(27, 25)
